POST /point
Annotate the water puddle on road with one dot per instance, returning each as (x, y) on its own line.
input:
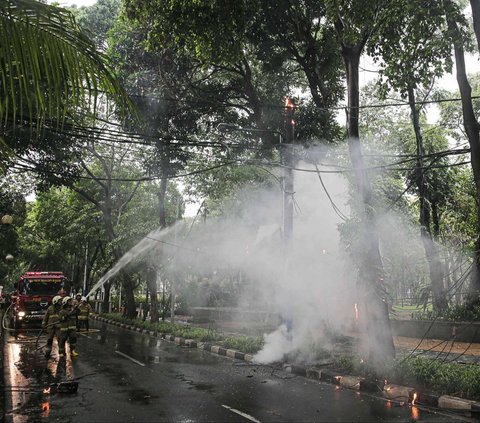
(141, 396)
(208, 387)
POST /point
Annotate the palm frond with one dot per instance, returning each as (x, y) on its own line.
(48, 67)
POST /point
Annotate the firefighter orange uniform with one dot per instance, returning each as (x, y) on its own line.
(84, 310)
(51, 324)
(67, 327)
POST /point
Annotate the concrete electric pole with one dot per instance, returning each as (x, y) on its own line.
(288, 163)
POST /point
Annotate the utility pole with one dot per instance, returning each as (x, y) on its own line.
(288, 164)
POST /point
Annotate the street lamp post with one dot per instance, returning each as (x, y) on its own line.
(7, 220)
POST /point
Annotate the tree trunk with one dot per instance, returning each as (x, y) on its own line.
(381, 348)
(471, 126)
(106, 298)
(164, 301)
(475, 5)
(91, 264)
(127, 284)
(152, 287)
(432, 251)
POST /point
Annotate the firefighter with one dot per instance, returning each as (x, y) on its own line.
(75, 304)
(76, 301)
(68, 327)
(51, 324)
(84, 310)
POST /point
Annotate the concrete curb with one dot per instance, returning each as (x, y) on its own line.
(392, 392)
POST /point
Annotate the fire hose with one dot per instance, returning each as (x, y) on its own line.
(4, 316)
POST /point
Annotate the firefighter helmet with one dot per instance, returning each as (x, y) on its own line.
(56, 299)
(66, 299)
(84, 299)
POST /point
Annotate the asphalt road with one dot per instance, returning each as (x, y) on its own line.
(125, 376)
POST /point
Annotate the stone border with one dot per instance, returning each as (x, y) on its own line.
(392, 392)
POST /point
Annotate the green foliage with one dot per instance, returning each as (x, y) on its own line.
(445, 378)
(344, 363)
(454, 313)
(98, 19)
(354, 18)
(57, 228)
(183, 331)
(246, 344)
(412, 44)
(220, 24)
(49, 67)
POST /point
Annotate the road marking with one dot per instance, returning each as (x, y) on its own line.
(252, 419)
(130, 358)
(83, 334)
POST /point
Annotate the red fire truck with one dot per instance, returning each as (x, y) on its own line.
(33, 295)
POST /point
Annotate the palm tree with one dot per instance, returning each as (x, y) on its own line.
(49, 69)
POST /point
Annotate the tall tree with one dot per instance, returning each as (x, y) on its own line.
(57, 232)
(412, 44)
(472, 126)
(354, 24)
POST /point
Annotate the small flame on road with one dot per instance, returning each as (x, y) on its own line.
(45, 409)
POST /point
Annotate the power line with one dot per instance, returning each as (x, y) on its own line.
(299, 106)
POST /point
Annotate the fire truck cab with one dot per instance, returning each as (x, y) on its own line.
(32, 296)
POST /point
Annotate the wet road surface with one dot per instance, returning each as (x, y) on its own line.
(125, 376)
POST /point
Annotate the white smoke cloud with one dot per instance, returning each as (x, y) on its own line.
(306, 286)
